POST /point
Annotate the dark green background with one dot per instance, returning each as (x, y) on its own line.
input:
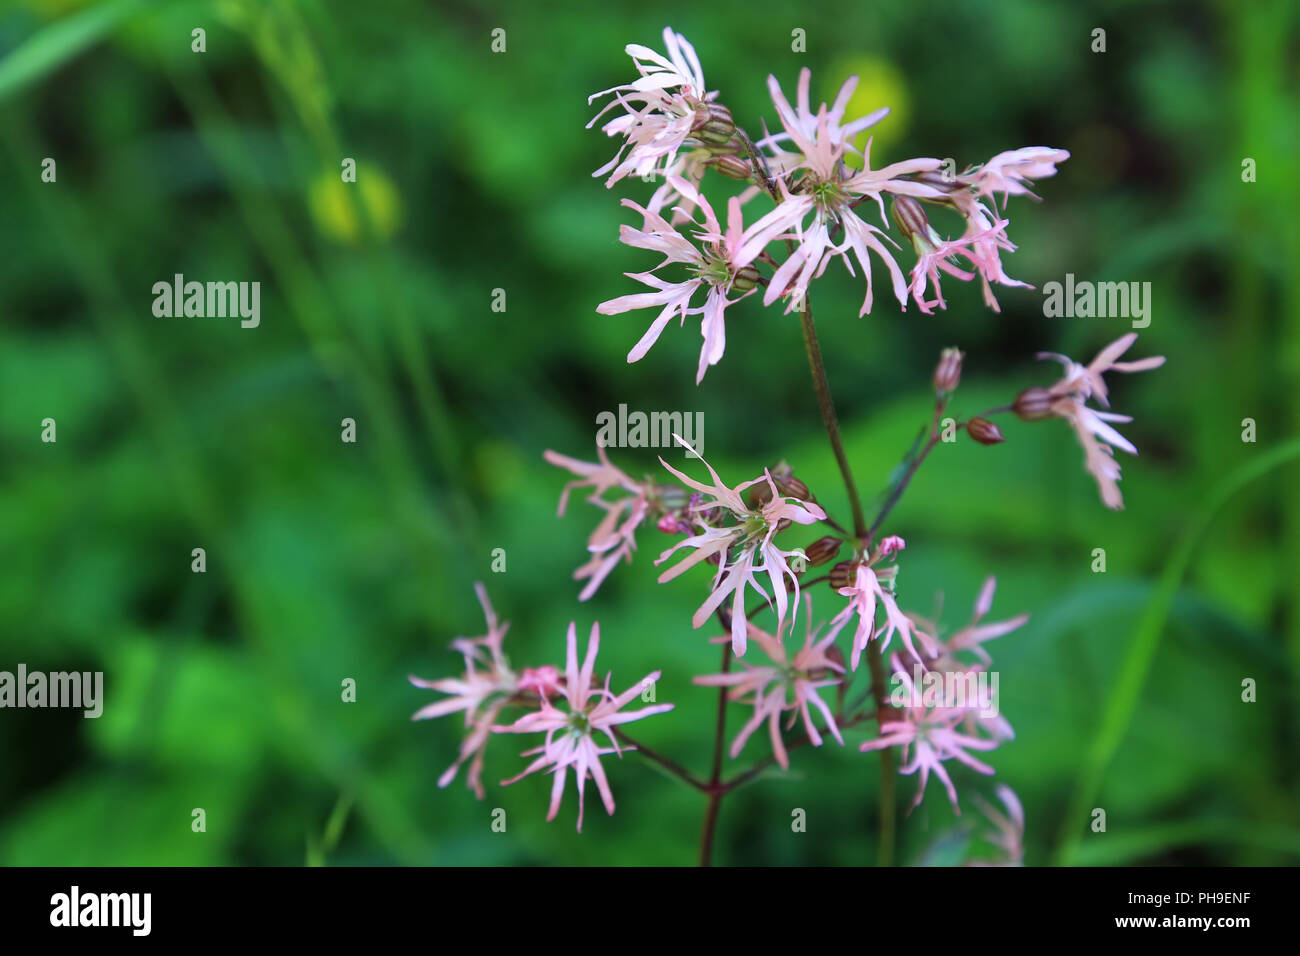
(328, 561)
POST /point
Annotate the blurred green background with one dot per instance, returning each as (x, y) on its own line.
(329, 561)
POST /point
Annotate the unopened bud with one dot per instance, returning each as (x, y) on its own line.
(731, 166)
(910, 216)
(938, 179)
(671, 497)
(1033, 404)
(947, 374)
(844, 575)
(713, 125)
(787, 486)
(745, 279)
(792, 487)
(823, 549)
(984, 431)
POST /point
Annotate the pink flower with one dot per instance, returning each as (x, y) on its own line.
(1069, 399)
(571, 735)
(481, 694)
(614, 538)
(542, 681)
(863, 596)
(826, 192)
(802, 125)
(979, 701)
(928, 738)
(979, 247)
(743, 550)
(985, 237)
(891, 546)
(973, 636)
(661, 108)
(721, 266)
(1011, 172)
(783, 685)
(600, 477)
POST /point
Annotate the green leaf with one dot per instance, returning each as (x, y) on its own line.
(53, 46)
(1123, 699)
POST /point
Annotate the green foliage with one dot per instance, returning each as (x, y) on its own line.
(330, 561)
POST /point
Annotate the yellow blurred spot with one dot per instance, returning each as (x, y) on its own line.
(880, 83)
(337, 206)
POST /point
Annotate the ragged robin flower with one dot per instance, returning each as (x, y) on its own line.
(784, 684)
(743, 549)
(717, 263)
(1068, 399)
(485, 688)
(572, 741)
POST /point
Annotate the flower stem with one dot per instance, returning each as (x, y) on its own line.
(672, 766)
(885, 855)
(827, 408)
(885, 850)
(899, 488)
(716, 793)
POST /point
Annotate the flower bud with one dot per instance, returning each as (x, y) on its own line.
(947, 374)
(787, 486)
(759, 495)
(938, 179)
(745, 279)
(844, 575)
(984, 431)
(910, 217)
(792, 487)
(915, 224)
(823, 549)
(1033, 404)
(670, 497)
(713, 124)
(731, 166)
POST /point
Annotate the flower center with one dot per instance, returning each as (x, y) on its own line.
(713, 268)
(828, 196)
(579, 724)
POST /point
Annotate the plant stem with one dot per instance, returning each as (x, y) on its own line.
(899, 488)
(715, 793)
(897, 493)
(746, 775)
(676, 769)
(827, 408)
(885, 850)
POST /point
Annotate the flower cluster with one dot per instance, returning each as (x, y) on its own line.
(817, 180)
(825, 202)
